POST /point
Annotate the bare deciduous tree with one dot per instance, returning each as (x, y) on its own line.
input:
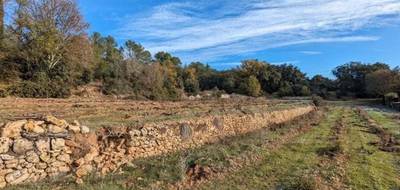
(46, 28)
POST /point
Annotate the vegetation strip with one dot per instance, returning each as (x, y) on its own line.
(305, 162)
(367, 166)
(291, 166)
(388, 142)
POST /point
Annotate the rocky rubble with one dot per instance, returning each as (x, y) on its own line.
(31, 150)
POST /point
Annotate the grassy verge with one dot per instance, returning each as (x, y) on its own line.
(367, 166)
(386, 122)
(293, 166)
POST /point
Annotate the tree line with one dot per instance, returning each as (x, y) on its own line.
(45, 51)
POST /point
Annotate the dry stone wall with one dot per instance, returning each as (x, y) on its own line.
(35, 149)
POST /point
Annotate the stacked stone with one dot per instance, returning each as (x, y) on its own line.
(31, 150)
(155, 139)
(34, 149)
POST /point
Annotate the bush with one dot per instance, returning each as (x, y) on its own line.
(317, 100)
(52, 89)
(28, 89)
(3, 93)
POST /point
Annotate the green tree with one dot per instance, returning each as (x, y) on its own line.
(137, 53)
(321, 86)
(351, 77)
(380, 82)
(252, 87)
(190, 81)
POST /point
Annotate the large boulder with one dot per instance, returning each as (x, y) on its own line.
(13, 129)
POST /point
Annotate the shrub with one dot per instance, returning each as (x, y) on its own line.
(3, 93)
(251, 86)
(52, 89)
(317, 100)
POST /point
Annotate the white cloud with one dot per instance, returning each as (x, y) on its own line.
(286, 62)
(210, 30)
(311, 52)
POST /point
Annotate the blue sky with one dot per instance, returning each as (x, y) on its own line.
(315, 35)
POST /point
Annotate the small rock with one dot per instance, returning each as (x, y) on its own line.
(57, 144)
(53, 120)
(6, 157)
(32, 157)
(185, 131)
(57, 164)
(32, 127)
(40, 122)
(5, 143)
(13, 129)
(17, 177)
(76, 123)
(83, 170)
(11, 164)
(22, 145)
(218, 123)
(134, 133)
(74, 128)
(144, 131)
(85, 129)
(3, 183)
(43, 145)
(45, 157)
(64, 169)
(41, 165)
(55, 129)
(4, 172)
(64, 158)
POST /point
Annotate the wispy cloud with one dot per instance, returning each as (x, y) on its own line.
(293, 62)
(311, 52)
(210, 30)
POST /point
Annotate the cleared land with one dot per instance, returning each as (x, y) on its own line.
(333, 148)
(111, 112)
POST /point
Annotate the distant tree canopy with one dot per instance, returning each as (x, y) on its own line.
(351, 77)
(46, 52)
